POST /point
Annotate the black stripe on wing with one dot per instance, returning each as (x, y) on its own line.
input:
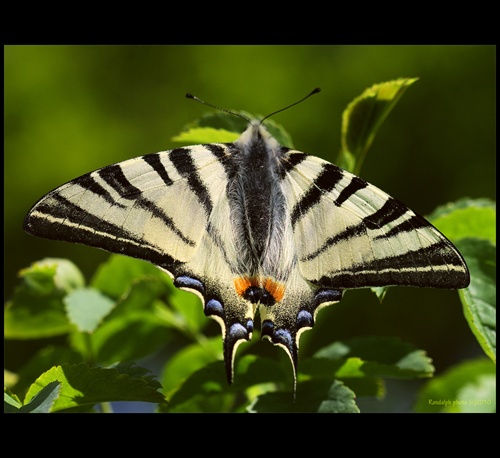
(290, 161)
(384, 216)
(113, 175)
(155, 162)
(325, 182)
(57, 218)
(186, 167)
(88, 182)
(438, 266)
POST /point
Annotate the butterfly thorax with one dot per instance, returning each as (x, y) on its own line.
(258, 216)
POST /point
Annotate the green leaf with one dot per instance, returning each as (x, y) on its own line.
(362, 363)
(380, 292)
(42, 402)
(221, 120)
(471, 224)
(86, 308)
(187, 314)
(369, 357)
(206, 390)
(42, 361)
(251, 371)
(187, 361)
(207, 387)
(84, 385)
(363, 117)
(312, 396)
(467, 387)
(37, 309)
(11, 403)
(114, 277)
(50, 273)
(134, 328)
(479, 299)
(201, 135)
(466, 218)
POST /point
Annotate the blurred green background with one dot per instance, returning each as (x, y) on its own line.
(72, 109)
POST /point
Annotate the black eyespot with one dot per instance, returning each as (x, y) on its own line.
(256, 294)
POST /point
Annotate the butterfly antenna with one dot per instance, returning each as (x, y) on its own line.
(314, 91)
(191, 96)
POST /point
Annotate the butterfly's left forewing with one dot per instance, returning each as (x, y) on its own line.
(131, 208)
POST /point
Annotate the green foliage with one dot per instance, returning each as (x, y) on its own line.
(39, 307)
(80, 387)
(467, 387)
(363, 117)
(130, 310)
(471, 224)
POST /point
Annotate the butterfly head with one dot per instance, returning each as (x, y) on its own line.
(257, 136)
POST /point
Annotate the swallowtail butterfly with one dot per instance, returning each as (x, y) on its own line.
(252, 225)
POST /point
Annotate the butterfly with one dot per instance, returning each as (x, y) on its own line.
(252, 226)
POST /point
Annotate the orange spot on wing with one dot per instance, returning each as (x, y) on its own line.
(277, 290)
(241, 284)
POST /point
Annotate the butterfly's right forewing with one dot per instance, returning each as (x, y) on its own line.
(350, 234)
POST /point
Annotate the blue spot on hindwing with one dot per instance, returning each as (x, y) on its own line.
(283, 336)
(267, 328)
(214, 307)
(237, 331)
(304, 319)
(327, 295)
(189, 282)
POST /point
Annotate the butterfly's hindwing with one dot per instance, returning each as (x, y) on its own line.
(252, 226)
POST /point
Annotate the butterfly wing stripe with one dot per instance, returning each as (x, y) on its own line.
(182, 160)
(115, 177)
(59, 219)
(290, 160)
(324, 182)
(376, 220)
(355, 185)
(155, 162)
(390, 211)
(219, 242)
(414, 222)
(224, 154)
(88, 182)
(432, 261)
